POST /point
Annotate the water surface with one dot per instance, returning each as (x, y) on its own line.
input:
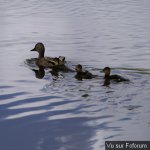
(62, 113)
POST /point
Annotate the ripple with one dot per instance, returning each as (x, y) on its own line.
(25, 114)
(5, 98)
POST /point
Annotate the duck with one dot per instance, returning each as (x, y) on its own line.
(108, 77)
(47, 62)
(80, 74)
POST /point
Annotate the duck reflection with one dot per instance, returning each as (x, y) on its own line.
(40, 73)
(54, 72)
(106, 82)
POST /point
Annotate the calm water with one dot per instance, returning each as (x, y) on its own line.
(62, 113)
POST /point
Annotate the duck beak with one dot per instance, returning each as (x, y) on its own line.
(33, 49)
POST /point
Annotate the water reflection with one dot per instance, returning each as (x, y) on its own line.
(56, 134)
(72, 111)
(40, 73)
(106, 82)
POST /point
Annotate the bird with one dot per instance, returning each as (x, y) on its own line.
(47, 62)
(116, 78)
(80, 74)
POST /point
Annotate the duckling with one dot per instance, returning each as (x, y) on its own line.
(46, 62)
(82, 74)
(109, 77)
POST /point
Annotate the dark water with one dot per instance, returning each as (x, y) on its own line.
(64, 113)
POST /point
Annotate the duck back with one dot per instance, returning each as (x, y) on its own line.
(83, 75)
(118, 78)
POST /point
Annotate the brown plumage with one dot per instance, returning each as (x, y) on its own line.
(46, 62)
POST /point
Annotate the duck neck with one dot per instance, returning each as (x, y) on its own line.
(41, 54)
(79, 72)
(107, 76)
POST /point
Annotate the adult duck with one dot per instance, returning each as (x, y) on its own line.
(47, 62)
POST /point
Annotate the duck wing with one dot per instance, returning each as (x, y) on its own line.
(51, 60)
(118, 78)
(87, 75)
(45, 62)
(56, 60)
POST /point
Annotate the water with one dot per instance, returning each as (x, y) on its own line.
(63, 113)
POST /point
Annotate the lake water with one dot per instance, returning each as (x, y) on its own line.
(62, 113)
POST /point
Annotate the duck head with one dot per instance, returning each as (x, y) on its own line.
(107, 71)
(56, 61)
(61, 60)
(39, 47)
(78, 68)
